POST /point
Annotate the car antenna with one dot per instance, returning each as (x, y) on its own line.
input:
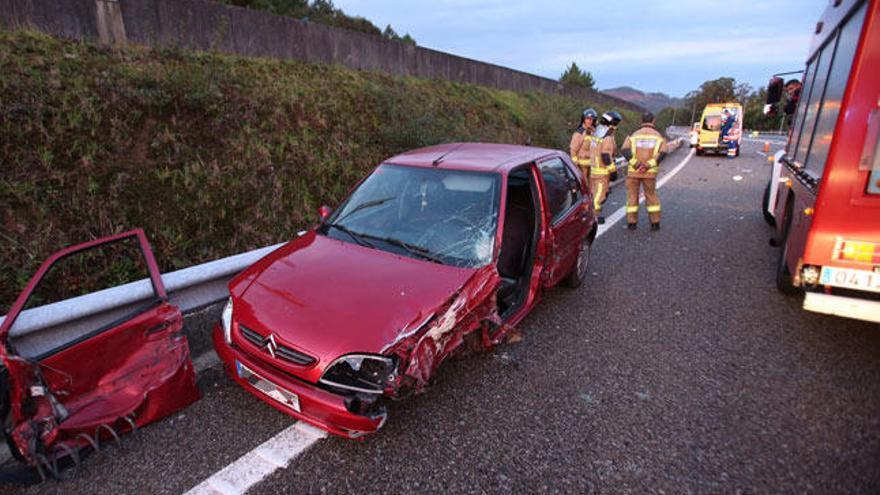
(440, 158)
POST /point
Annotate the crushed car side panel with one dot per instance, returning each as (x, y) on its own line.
(472, 311)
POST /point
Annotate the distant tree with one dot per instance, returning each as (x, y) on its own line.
(574, 76)
(714, 91)
(390, 34)
(671, 116)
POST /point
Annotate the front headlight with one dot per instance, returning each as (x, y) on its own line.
(226, 320)
(366, 373)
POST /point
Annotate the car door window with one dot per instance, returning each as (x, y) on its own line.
(561, 185)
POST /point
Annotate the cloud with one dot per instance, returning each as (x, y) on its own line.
(688, 41)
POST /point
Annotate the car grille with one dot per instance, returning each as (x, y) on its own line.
(281, 351)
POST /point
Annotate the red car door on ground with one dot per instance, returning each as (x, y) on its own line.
(566, 213)
(115, 376)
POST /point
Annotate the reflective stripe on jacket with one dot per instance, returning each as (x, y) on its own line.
(645, 150)
(604, 145)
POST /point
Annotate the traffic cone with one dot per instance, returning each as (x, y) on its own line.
(766, 146)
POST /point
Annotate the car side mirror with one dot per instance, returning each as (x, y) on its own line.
(774, 90)
(324, 212)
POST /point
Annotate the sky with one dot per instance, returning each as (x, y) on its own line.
(663, 45)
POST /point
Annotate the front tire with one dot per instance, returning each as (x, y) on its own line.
(765, 205)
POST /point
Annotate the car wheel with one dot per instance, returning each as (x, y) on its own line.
(783, 274)
(765, 205)
(578, 273)
(699, 152)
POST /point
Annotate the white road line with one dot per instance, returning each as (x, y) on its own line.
(280, 450)
(621, 212)
(762, 153)
(256, 465)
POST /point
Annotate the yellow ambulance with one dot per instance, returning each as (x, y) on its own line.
(721, 129)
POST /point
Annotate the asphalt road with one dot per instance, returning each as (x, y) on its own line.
(677, 368)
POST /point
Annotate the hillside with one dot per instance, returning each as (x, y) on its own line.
(212, 154)
(652, 101)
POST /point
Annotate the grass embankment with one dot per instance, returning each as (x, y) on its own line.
(211, 154)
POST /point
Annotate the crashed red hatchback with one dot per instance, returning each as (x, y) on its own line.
(439, 250)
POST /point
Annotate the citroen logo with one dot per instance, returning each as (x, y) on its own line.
(271, 345)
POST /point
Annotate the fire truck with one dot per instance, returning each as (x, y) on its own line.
(823, 195)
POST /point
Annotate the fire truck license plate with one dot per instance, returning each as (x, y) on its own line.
(850, 279)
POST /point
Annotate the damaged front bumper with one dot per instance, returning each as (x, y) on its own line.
(348, 416)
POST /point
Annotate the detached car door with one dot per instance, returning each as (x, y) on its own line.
(73, 384)
(566, 211)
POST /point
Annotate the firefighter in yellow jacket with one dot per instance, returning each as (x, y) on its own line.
(645, 149)
(581, 141)
(602, 169)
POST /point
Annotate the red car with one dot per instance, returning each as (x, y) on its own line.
(439, 250)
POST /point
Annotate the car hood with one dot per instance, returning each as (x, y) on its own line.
(327, 297)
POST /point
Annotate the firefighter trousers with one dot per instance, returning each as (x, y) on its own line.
(586, 170)
(599, 187)
(652, 202)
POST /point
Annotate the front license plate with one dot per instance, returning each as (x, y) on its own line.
(285, 397)
(850, 279)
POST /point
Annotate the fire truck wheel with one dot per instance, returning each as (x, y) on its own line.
(765, 204)
(783, 274)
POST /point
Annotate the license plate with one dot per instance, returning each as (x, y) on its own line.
(850, 279)
(277, 393)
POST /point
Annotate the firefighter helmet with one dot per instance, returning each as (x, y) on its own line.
(611, 118)
(589, 114)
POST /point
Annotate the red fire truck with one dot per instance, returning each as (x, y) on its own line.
(823, 195)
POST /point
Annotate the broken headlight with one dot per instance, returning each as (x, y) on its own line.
(226, 320)
(365, 373)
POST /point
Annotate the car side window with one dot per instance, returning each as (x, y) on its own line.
(562, 187)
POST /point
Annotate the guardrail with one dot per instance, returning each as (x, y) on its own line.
(42, 329)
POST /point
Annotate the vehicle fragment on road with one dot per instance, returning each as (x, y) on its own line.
(122, 371)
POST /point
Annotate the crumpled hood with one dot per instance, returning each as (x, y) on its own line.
(327, 297)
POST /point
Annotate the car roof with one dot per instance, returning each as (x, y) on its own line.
(483, 157)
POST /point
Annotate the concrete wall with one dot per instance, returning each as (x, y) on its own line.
(205, 25)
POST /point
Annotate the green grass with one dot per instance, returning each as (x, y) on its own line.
(213, 154)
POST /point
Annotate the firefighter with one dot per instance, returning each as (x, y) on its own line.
(602, 169)
(581, 139)
(645, 149)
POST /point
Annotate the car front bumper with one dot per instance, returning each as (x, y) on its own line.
(317, 406)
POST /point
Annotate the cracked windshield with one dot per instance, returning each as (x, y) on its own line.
(444, 216)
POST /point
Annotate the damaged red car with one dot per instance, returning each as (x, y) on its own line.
(439, 250)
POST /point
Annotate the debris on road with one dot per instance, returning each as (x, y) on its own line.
(115, 378)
